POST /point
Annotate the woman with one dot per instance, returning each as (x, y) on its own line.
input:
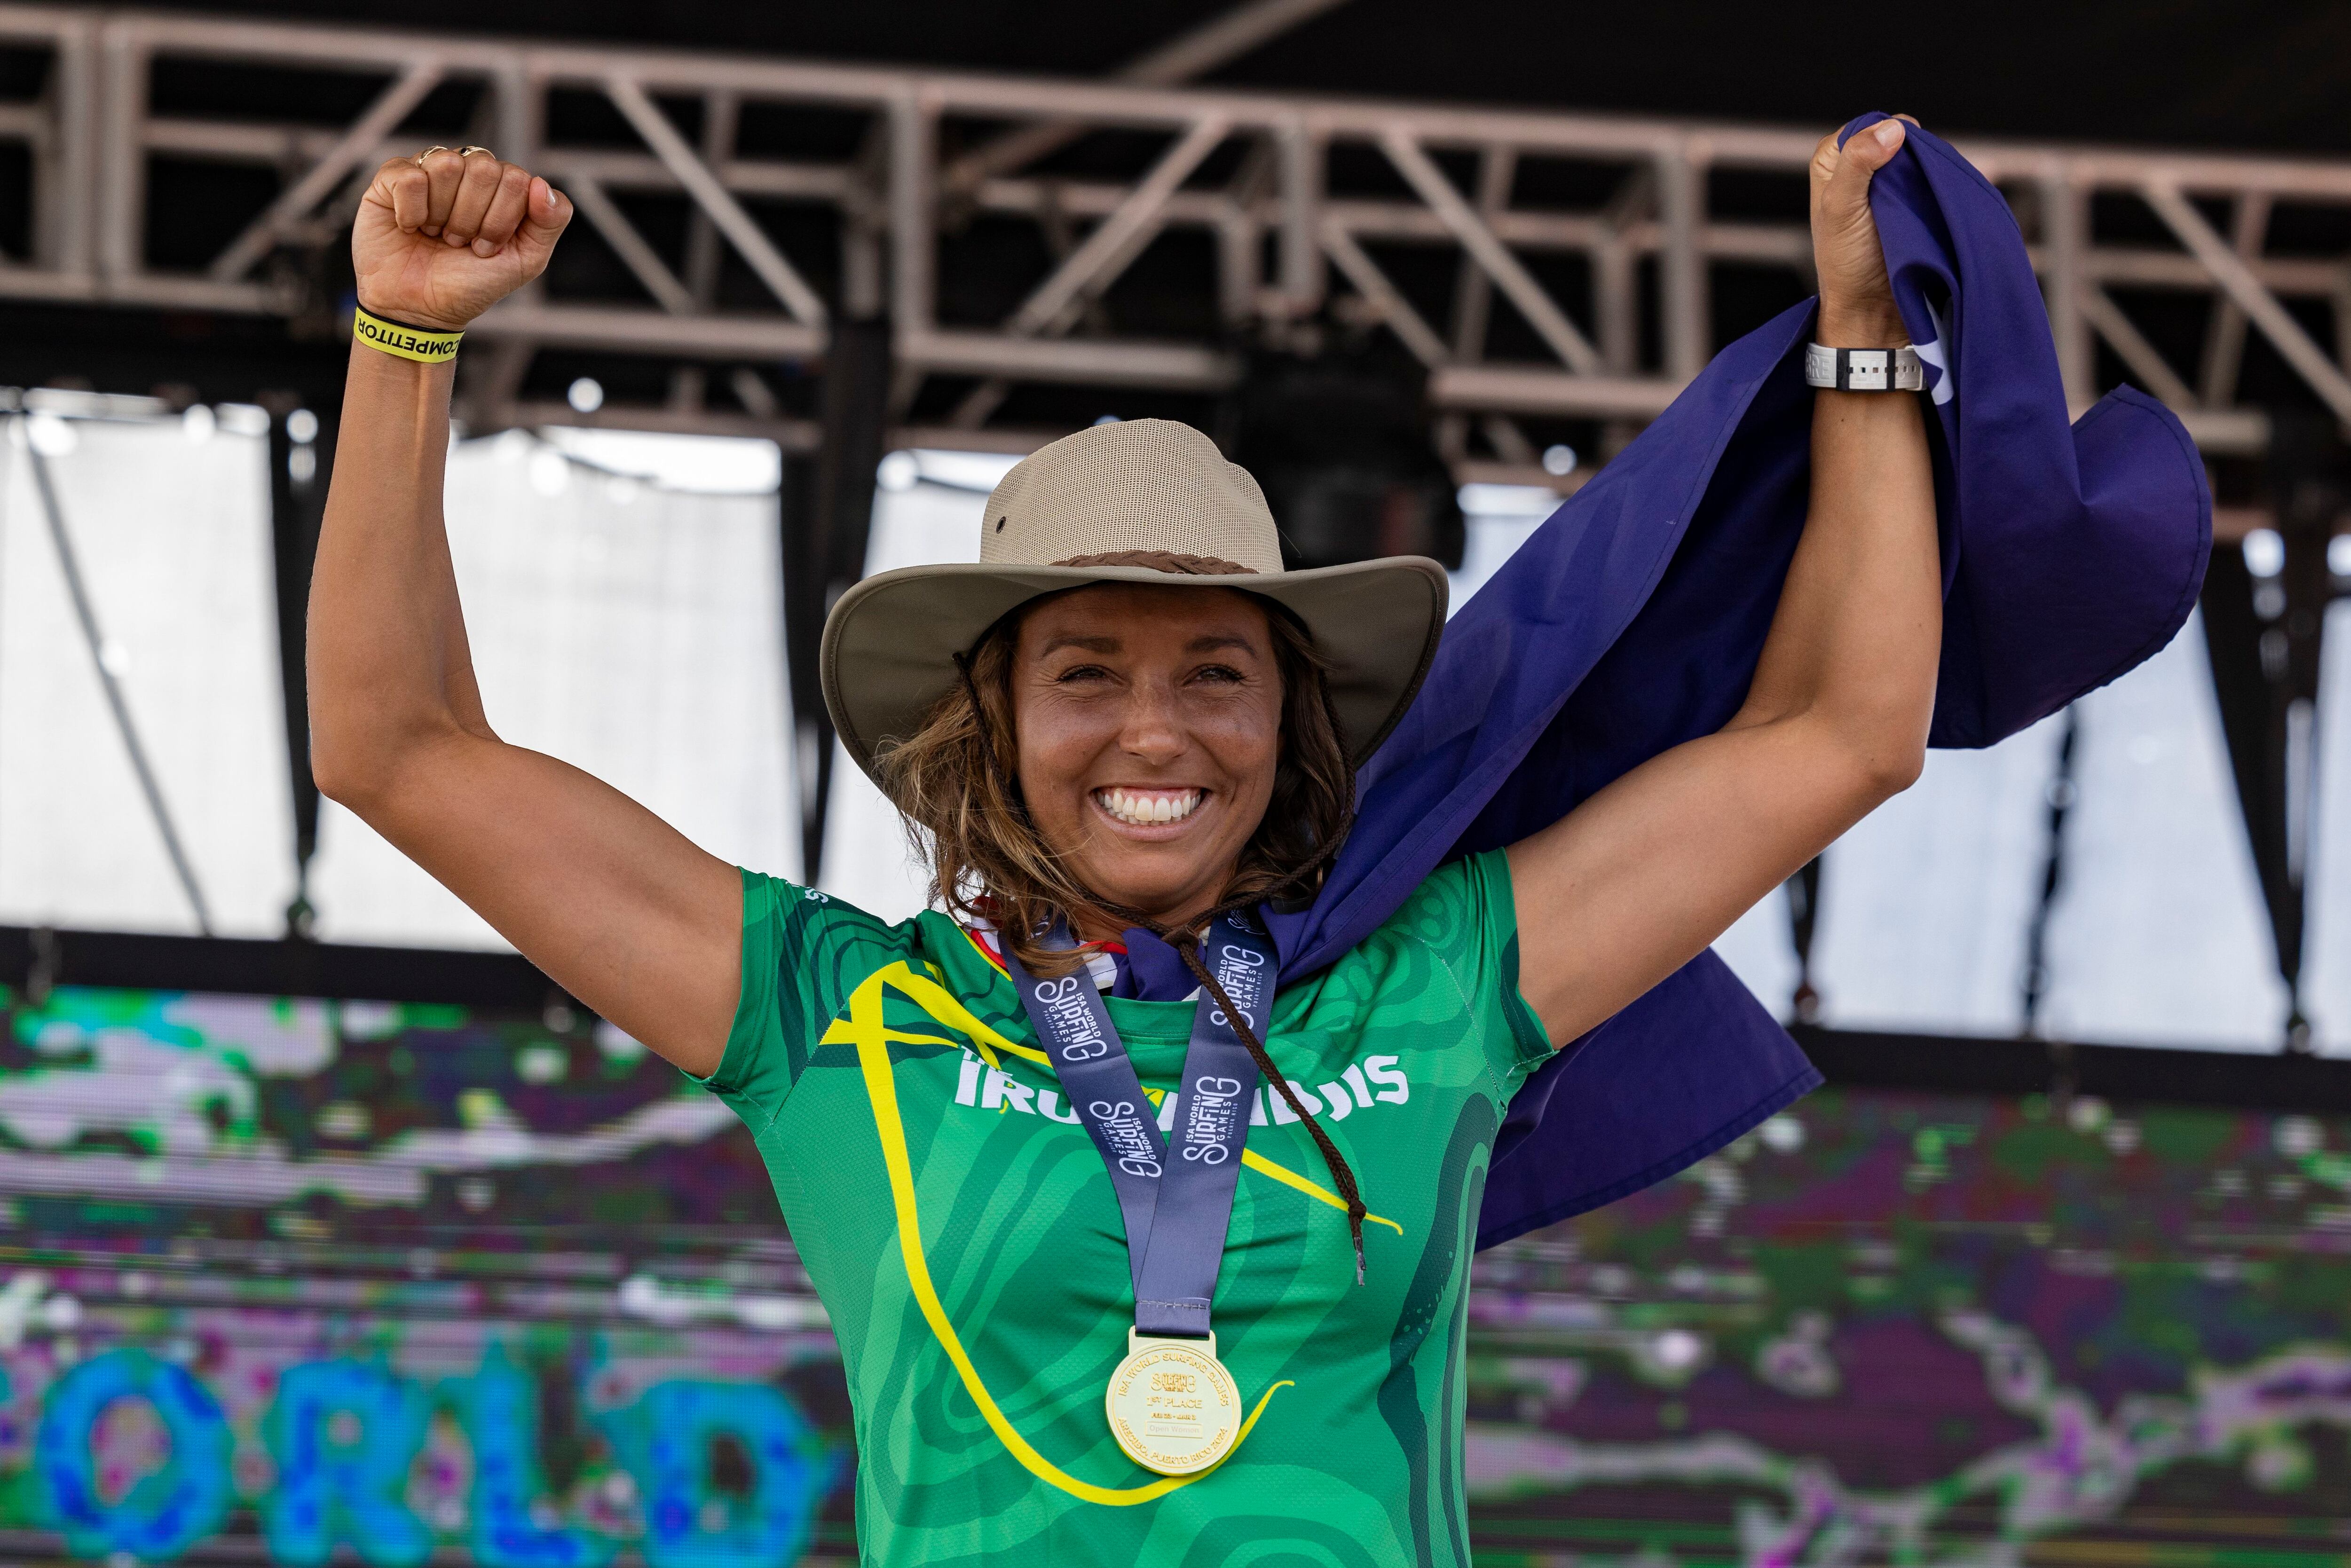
(1084, 1318)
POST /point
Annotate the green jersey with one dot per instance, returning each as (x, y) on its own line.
(961, 1229)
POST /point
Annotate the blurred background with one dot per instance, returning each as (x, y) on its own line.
(330, 1229)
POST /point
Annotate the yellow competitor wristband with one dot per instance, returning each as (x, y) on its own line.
(419, 343)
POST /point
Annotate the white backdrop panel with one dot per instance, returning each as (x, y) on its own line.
(173, 538)
(2327, 942)
(1926, 903)
(1493, 535)
(866, 858)
(1760, 949)
(635, 632)
(2158, 936)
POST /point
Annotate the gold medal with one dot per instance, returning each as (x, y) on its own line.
(1172, 1404)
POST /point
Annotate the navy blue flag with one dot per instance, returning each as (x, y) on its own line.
(1633, 620)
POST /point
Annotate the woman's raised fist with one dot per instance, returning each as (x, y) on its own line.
(443, 237)
(1857, 309)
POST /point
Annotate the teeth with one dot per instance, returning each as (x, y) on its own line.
(1144, 808)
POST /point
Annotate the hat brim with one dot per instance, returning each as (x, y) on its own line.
(891, 640)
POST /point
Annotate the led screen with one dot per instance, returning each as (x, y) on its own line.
(1935, 1329)
(387, 1283)
(400, 1279)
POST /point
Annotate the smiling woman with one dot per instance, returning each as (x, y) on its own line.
(1168, 752)
(1050, 1152)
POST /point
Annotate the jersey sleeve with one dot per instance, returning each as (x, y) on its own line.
(1521, 1044)
(799, 947)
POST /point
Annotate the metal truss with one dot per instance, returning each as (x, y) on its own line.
(1315, 212)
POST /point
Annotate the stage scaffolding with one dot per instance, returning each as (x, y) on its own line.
(1312, 206)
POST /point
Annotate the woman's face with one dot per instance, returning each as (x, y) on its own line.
(1149, 723)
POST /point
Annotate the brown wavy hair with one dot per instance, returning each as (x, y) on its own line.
(957, 790)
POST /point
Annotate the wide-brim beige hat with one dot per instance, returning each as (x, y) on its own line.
(1159, 501)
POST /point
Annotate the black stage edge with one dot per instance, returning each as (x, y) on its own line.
(1974, 1065)
(1942, 1063)
(116, 958)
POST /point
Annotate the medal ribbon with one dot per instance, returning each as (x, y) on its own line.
(1174, 1198)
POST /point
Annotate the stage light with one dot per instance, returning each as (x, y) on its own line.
(197, 423)
(586, 395)
(550, 473)
(2338, 555)
(898, 471)
(50, 435)
(697, 464)
(1559, 460)
(303, 427)
(2264, 553)
(1511, 501)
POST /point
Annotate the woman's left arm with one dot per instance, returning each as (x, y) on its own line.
(1637, 879)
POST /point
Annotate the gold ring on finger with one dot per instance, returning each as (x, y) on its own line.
(419, 159)
(469, 152)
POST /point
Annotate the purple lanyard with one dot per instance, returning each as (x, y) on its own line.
(1177, 1201)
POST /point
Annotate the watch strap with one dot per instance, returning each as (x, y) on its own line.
(1865, 370)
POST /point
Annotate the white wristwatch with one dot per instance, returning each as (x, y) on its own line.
(1865, 370)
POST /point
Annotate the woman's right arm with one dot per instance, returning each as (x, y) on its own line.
(613, 904)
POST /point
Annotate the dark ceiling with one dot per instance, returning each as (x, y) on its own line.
(2274, 75)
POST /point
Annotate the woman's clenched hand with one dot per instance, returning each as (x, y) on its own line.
(1857, 308)
(441, 238)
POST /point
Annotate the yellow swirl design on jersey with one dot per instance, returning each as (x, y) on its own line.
(866, 1030)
